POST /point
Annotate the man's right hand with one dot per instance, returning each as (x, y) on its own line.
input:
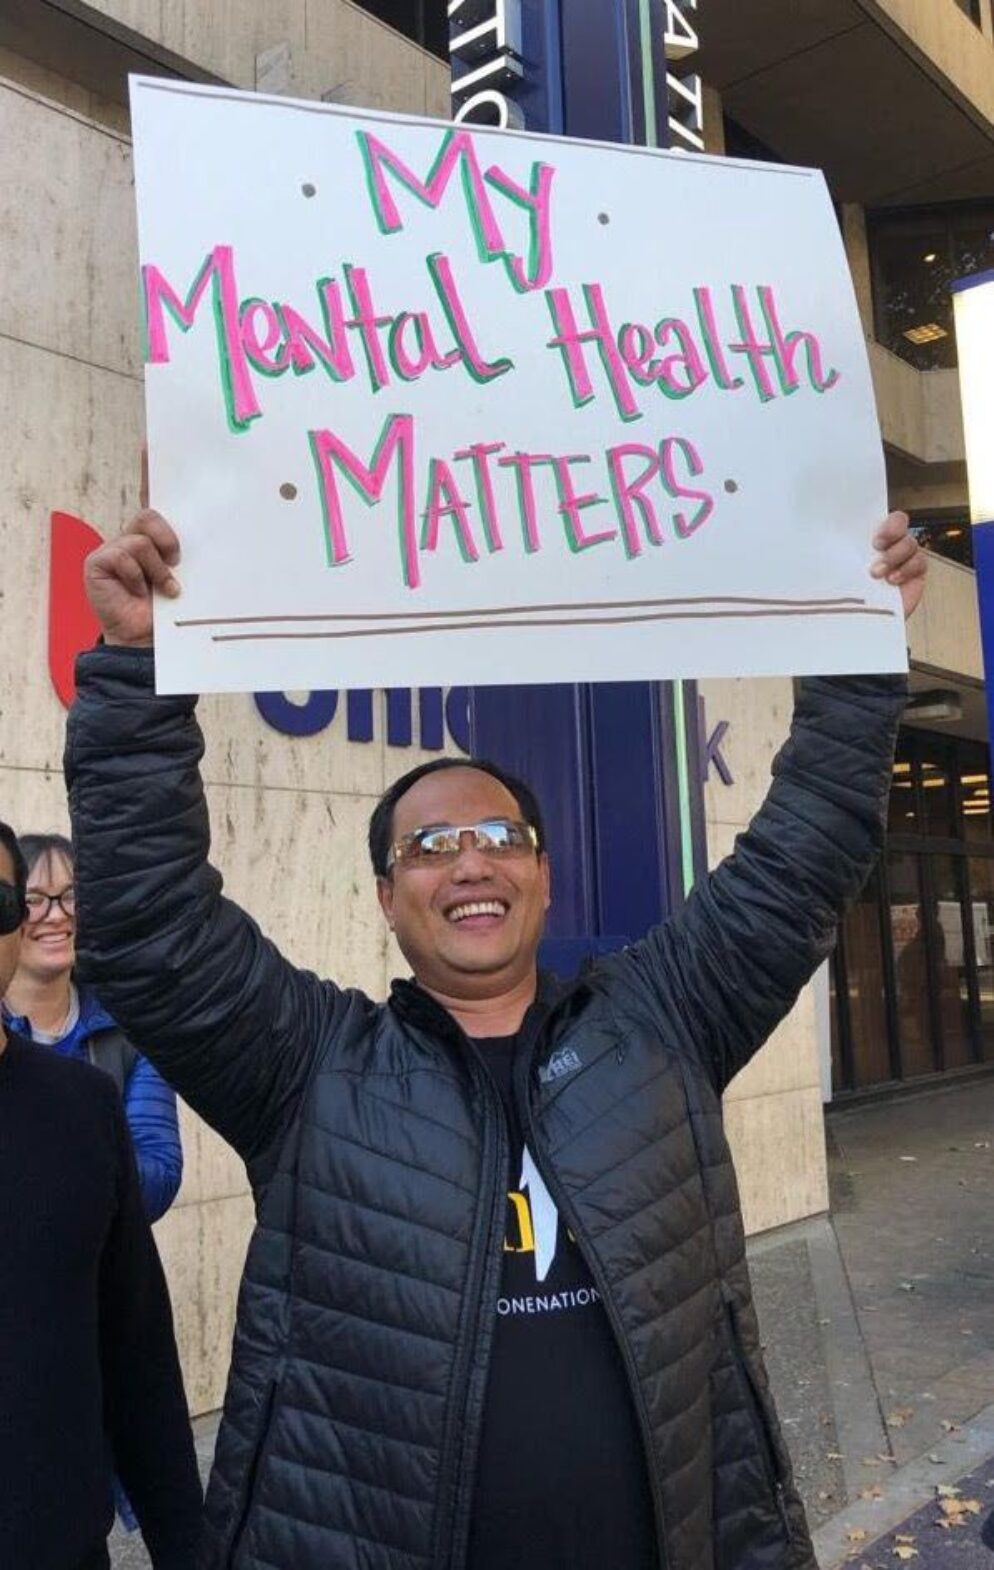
(123, 574)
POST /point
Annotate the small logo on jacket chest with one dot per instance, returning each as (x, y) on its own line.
(562, 1062)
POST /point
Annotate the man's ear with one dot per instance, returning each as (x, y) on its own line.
(384, 893)
(546, 870)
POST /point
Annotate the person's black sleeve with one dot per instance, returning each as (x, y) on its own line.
(145, 1411)
(225, 1018)
(752, 933)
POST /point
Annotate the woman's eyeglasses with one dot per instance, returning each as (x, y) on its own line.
(40, 904)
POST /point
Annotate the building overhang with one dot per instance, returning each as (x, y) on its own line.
(894, 101)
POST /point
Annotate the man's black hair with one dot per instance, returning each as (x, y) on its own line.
(381, 822)
(8, 839)
(39, 847)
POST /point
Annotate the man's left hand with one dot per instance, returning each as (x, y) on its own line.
(901, 560)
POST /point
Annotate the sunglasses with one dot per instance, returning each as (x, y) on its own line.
(12, 908)
(494, 837)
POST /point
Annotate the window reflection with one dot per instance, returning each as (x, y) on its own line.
(902, 816)
(949, 958)
(907, 927)
(948, 534)
(937, 798)
(916, 254)
(975, 793)
(982, 902)
(915, 977)
(865, 993)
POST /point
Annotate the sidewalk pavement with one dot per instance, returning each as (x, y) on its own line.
(878, 1324)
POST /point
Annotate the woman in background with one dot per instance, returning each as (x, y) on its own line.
(44, 1004)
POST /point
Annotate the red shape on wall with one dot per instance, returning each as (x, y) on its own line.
(72, 625)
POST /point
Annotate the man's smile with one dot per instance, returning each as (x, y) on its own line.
(482, 912)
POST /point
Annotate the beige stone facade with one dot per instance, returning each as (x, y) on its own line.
(289, 816)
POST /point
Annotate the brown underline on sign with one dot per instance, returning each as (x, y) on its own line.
(565, 621)
(523, 610)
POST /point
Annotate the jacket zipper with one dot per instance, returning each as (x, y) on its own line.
(253, 1480)
(460, 1448)
(561, 1198)
(760, 1421)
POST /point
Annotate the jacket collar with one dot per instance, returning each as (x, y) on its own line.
(416, 1007)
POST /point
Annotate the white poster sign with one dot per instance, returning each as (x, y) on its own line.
(432, 404)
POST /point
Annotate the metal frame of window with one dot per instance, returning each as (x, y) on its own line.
(923, 847)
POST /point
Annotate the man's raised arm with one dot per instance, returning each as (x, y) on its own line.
(226, 1019)
(732, 963)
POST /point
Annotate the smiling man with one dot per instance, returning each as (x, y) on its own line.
(496, 1313)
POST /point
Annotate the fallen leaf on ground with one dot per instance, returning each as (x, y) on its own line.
(857, 1534)
(949, 1427)
(947, 1491)
(899, 1416)
(904, 1551)
(873, 1492)
(907, 1158)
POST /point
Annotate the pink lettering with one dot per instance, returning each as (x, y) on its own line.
(629, 494)
(672, 449)
(446, 501)
(330, 453)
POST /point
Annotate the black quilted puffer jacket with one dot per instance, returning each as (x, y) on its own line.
(377, 1152)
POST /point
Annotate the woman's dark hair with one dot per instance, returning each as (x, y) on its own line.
(38, 847)
(381, 822)
(8, 839)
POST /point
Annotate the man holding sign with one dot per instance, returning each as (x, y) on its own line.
(426, 1373)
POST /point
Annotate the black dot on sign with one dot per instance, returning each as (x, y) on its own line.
(603, 218)
(288, 492)
(309, 189)
(731, 486)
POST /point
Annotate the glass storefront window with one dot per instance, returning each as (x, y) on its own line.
(865, 996)
(950, 961)
(975, 792)
(982, 903)
(972, 10)
(948, 534)
(902, 814)
(937, 792)
(914, 976)
(915, 255)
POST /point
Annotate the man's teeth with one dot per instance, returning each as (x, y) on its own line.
(489, 907)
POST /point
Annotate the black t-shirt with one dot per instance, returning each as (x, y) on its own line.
(561, 1481)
